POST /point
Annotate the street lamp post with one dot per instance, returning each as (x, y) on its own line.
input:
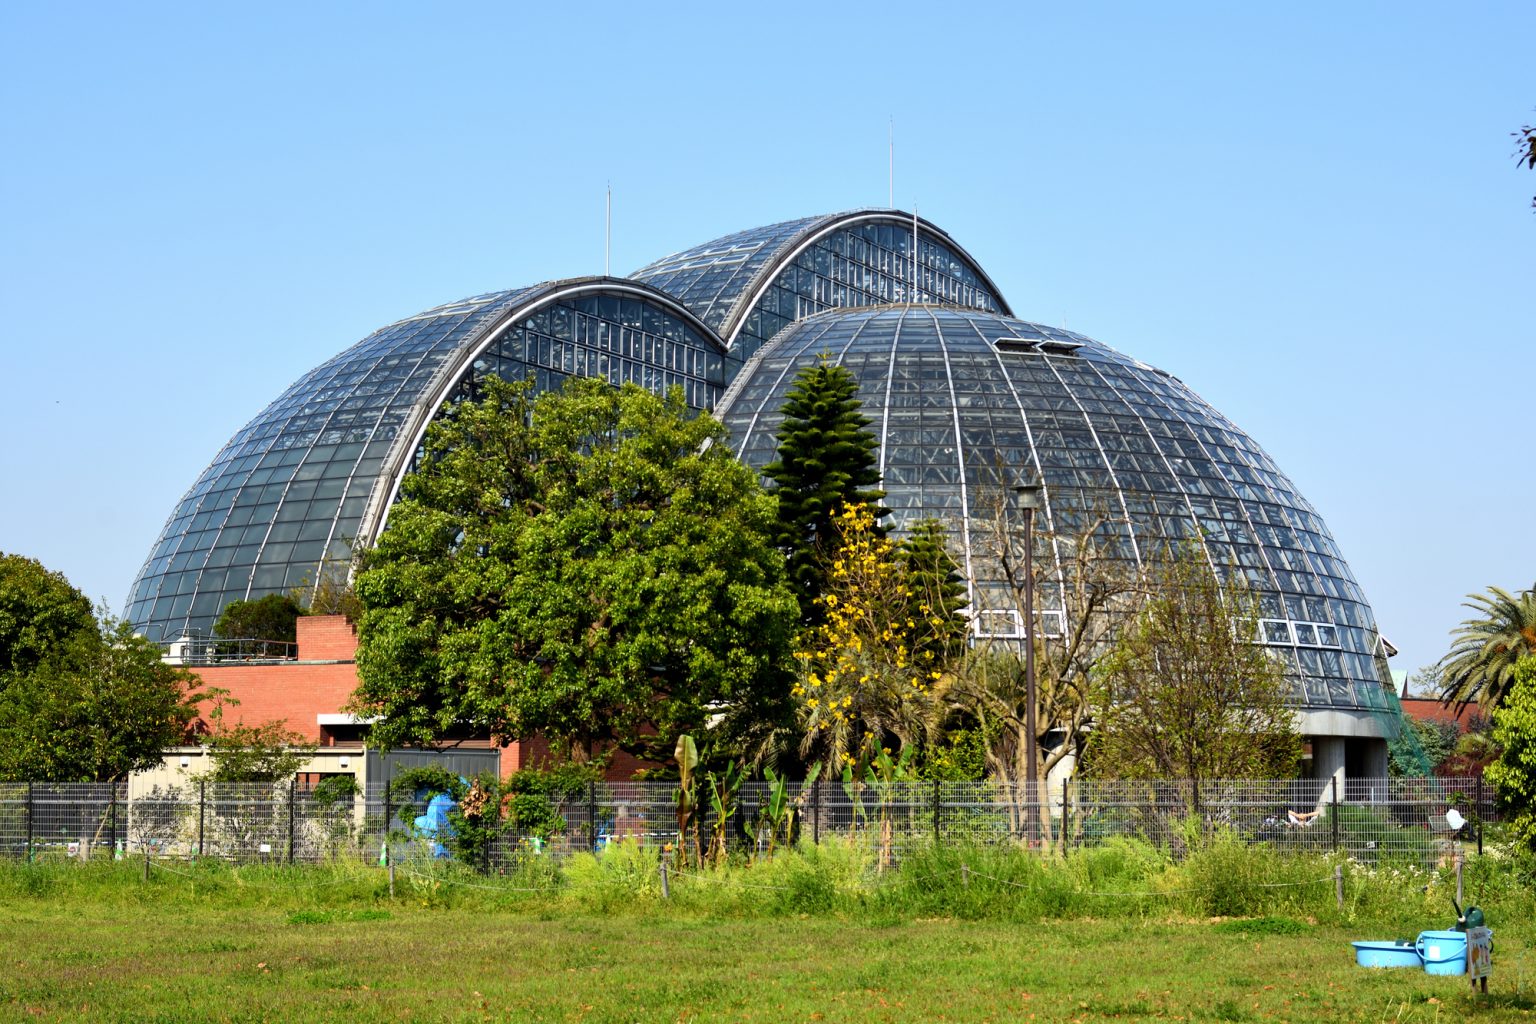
(1028, 497)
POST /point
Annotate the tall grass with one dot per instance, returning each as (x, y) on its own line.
(1123, 878)
(209, 882)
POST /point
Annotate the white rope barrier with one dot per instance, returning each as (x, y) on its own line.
(234, 875)
(473, 885)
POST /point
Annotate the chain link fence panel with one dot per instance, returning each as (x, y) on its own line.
(1376, 821)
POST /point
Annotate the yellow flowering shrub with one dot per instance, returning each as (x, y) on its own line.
(866, 671)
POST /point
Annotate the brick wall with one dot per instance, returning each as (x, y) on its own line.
(322, 680)
(326, 638)
(536, 753)
(1430, 709)
(294, 692)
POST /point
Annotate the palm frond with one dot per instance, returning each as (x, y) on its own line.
(1480, 666)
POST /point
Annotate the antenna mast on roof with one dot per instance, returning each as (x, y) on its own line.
(890, 201)
(914, 253)
(608, 235)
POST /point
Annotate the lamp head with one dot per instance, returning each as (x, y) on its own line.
(1027, 495)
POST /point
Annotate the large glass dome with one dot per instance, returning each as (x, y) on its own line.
(961, 398)
(960, 392)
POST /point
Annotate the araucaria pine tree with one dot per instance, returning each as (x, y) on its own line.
(937, 589)
(826, 459)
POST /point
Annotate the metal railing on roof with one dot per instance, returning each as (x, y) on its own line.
(191, 650)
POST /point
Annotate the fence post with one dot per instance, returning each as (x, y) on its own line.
(1335, 814)
(112, 814)
(1480, 813)
(666, 892)
(592, 815)
(389, 814)
(202, 802)
(30, 830)
(1065, 820)
(816, 813)
(293, 795)
(1338, 884)
(937, 809)
(389, 811)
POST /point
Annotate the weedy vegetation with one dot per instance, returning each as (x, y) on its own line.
(1119, 932)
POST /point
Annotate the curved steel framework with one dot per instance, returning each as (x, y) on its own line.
(961, 399)
(312, 476)
(594, 343)
(750, 285)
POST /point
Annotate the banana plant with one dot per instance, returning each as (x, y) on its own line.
(884, 774)
(770, 814)
(853, 788)
(722, 803)
(775, 821)
(885, 770)
(777, 807)
(797, 807)
(686, 795)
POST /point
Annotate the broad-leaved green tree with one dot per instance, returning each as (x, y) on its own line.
(1188, 692)
(40, 613)
(94, 709)
(592, 565)
(1514, 774)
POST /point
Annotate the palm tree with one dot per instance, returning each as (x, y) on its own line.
(1480, 666)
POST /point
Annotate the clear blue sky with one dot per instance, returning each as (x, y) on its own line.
(1310, 213)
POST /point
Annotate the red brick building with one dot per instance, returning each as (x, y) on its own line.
(309, 689)
(1429, 709)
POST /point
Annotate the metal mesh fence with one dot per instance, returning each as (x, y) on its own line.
(1373, 820)
(76, 819)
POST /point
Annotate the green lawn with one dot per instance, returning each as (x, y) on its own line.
(357, 959)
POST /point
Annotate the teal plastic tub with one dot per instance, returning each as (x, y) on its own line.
(1443, 952)
(1387, 953)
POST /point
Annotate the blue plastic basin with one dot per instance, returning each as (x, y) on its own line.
(1386, 953)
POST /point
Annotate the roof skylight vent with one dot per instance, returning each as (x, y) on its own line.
(1028, 346)
(1037, 346)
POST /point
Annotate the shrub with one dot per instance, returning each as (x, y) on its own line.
(1224, 877)
(620, 876)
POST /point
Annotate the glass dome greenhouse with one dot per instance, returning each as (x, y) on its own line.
(960, 392)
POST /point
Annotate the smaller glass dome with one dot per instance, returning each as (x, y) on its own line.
(312, 476)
